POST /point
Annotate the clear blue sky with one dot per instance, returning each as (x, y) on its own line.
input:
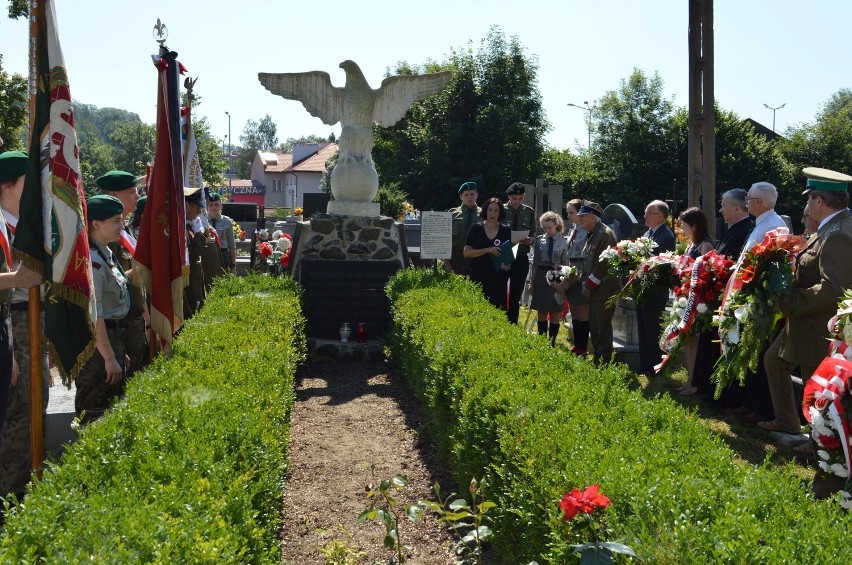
(767, 51)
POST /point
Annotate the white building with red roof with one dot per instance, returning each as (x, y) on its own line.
(281, 180)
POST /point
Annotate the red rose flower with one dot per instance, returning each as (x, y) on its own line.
(586, 502)
(709, 296)
(265, 249)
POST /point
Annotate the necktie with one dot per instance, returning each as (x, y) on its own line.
(651, 233)
(550, 249)
(515, 221)
(469, 219)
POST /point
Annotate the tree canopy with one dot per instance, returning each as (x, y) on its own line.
(487, 125)
(13, 108)
(256, 136)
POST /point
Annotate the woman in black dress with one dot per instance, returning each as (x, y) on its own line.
(483, 242)
(694, 225)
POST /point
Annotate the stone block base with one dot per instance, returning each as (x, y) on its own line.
(346, 208)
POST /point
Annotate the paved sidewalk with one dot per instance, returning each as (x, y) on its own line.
(60, 412)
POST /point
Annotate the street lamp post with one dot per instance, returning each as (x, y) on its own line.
(589, 110)
(773, 112)
(230, 159)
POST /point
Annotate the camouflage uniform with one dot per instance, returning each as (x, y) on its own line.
(15, 441)
(94, 395)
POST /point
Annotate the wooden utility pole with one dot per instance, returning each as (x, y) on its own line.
(702, 113)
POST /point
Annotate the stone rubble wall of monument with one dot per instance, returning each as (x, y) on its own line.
(334, 238)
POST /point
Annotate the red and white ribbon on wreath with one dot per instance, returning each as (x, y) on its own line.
(826, 389)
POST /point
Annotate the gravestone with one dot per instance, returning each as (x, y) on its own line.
(621, 221)
(625, 326)
(346, 291)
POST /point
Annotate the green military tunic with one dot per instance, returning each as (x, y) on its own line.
(463, 218)
(595, 271)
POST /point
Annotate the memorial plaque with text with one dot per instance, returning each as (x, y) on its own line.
(436, 235)
(346, 291)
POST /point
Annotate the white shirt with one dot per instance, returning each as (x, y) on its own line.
(763, 224)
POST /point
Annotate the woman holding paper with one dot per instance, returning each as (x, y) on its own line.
(489, 246)
(550, 251)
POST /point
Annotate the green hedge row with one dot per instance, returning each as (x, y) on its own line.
(189, 468)
(538, 422)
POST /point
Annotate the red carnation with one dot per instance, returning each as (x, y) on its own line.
(265, 249)
(829, 442)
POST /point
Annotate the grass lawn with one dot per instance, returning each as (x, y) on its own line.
(750, 443)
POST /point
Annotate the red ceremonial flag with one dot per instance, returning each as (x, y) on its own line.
(161, 248)
(51, 235)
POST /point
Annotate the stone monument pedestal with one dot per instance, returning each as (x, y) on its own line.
(343, 262)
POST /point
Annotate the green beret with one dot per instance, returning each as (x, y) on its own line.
(140, 206)
(116, 180)
(215, 197)
(13, 164)
(103, 207)
(516, 188)
(469, 185)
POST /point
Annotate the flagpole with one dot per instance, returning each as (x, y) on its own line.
(36, 397)
(37, 13)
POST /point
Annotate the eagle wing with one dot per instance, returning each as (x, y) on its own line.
(396, 94)
(314, 90)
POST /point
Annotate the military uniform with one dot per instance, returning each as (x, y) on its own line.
(822, 273)
(193, 294)
(211, 258)
(521, 218)
(15, 440)
(112, 291)
(136, 335)
(593, 277)
(5, 324)
(224, 227)
(463, 218)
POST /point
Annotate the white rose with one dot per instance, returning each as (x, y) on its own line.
(733, 334)
(702, 308)
(682, 302)
(741, 313)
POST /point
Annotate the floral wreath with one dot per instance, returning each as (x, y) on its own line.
(822, 406)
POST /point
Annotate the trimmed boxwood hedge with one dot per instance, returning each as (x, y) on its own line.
(537, 422)
(189, 467)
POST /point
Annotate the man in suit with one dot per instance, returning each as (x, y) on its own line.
(649, 314)
(735, 213)
(823, 271)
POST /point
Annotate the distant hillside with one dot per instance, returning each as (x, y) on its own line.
(96, 124)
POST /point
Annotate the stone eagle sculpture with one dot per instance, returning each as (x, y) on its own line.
(356, 106)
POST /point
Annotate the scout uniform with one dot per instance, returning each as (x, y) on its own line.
(593, 273)
(822, 272)
(463, 217)
(112, 295)
(196, 242)
(224, 228)
(15, 441)
(136, 336)
(521, 218)
(13, 165)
